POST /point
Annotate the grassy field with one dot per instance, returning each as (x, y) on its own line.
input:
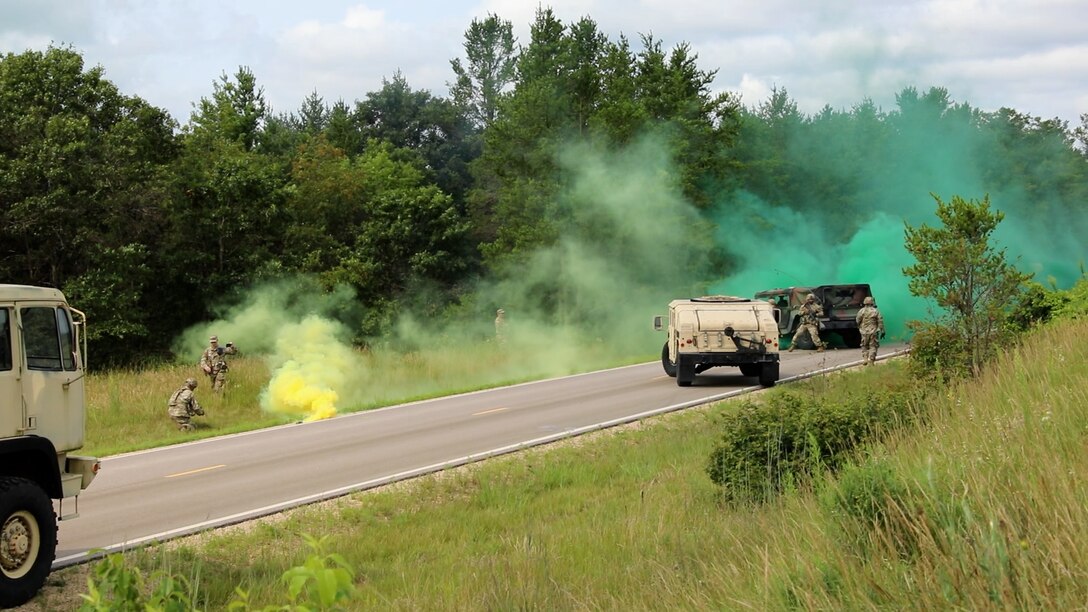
(985, 510)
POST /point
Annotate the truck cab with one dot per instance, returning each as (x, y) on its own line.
(42, 414)
(718, 330)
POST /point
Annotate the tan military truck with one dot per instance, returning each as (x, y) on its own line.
(719, 330)
(41, 423)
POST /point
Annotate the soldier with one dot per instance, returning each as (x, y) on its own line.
(183, 405)
(810, 312)
(500, 326)
(871, 325)
(214, 363)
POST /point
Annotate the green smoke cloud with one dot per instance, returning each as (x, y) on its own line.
(884, 178)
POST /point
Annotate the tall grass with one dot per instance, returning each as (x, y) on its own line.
(987, 510)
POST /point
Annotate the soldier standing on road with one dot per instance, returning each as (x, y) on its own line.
(183, 405)
(810, 312)
(214, 362)
(871, 325)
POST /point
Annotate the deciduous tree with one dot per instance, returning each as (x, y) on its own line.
(967, 276)
(490, 67)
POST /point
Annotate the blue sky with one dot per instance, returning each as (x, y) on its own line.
(1031, 55)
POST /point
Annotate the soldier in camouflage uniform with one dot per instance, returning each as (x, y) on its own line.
(871, 325)
(214, 364)
(810, 312)
(500, 326)
(183, 405)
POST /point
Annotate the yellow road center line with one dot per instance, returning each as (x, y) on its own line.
(197, 471)
(488, 411)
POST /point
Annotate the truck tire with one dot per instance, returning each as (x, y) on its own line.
(851, 338)
(750, 369)
(670, 367)
(768, 374)
(685, 373)
(28, 540)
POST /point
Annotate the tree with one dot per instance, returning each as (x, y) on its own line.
(960, 270)
(373, 222)
(489, 49)
(236, 110)
(84, 182)
(434, 129)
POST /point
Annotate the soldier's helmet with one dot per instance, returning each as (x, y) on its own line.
(213, 339)
(868, 301)
(190, 382)
(810, 297)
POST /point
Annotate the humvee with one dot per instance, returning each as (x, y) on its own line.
(718, 330)
(840, 303)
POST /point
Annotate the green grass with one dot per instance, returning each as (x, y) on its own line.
(990, 515)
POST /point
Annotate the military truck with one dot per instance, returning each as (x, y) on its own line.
(41, 423)
(719, 330)
(840, 303)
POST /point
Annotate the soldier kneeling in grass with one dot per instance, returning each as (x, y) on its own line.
(183, 405)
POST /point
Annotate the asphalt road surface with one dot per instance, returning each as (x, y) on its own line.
(159, 494)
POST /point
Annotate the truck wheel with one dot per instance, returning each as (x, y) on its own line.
(768, 374)
(670, 367)
(851, 338)
(685, 373)
(749, 369)
(28, 540)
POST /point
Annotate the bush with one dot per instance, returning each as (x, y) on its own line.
(1036, 305)
(325, 581)
(792, 435)
(937, 351)
(866, 498)
(116, 586)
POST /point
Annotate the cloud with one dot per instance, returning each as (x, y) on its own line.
(1027, 54)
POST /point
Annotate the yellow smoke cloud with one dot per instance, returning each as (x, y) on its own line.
(310, 370)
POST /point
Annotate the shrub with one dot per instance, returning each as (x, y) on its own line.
(864, 500)
(324, 582)
(1036, 305)
(116, 586)
(793, 435)
(937, 351)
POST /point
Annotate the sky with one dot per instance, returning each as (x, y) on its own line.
(1030, 55)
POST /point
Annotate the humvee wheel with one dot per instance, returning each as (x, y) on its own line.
(851, 338)
(28, 540)
(685, 374)
(670, 367)
(768, 374)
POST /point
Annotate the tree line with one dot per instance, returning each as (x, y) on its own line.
(150, 225)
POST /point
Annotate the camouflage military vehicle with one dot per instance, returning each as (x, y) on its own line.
(840, 303)
(41, 423)
(719, 330)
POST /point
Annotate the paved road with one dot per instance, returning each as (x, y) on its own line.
(167, 492)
